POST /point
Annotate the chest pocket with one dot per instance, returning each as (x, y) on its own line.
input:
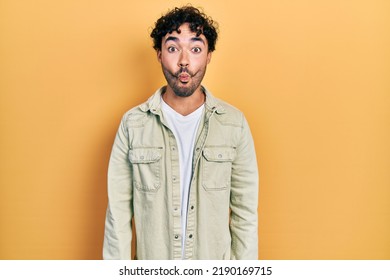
(146, 166)
(217, 167)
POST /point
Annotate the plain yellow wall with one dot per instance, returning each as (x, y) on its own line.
(312, 78)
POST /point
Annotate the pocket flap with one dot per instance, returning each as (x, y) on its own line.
(144, 155)
(219, 154)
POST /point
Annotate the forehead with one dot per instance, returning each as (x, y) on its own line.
(185, 34)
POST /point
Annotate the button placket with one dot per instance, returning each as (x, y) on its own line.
(176, 229)
(191, 227)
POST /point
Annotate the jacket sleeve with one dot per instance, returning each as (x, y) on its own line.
(244, 199)
(118, 231)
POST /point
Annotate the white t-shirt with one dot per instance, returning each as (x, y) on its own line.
(184, 128)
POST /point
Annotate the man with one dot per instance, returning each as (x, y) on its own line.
(183, 164)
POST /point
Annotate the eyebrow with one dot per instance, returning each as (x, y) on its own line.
(171, 38)
(198, 39)
(193, 39)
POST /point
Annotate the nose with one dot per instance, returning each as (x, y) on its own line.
(183, 59)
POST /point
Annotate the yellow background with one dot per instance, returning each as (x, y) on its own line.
(312, 78)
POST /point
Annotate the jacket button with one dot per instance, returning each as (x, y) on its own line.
(190, 236)
(176, 236)
(192, 207)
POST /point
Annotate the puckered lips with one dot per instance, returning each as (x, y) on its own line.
(184, 77)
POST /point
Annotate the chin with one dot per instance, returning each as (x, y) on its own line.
(183, 93)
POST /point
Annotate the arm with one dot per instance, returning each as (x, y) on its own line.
(118, 231)
(244, 199)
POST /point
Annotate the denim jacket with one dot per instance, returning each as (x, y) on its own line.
(144, 184)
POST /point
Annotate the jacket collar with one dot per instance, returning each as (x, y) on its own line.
(153, 104)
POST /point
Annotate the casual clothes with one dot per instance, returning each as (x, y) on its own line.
(144, 183)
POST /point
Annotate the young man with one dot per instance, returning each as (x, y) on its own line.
(183, 164)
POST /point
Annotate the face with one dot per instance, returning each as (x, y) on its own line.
(184, 58)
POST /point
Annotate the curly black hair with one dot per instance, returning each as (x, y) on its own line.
(198, 21)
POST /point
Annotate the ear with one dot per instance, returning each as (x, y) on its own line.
(209, 57)
(159, 55)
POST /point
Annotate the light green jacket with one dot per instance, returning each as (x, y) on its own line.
(143, 183)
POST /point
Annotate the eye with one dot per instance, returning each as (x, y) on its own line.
(196, 50)
(171, 49)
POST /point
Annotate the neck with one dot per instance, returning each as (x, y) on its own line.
(184, 105)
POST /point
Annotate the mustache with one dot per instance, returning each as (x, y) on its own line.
(184, 70)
